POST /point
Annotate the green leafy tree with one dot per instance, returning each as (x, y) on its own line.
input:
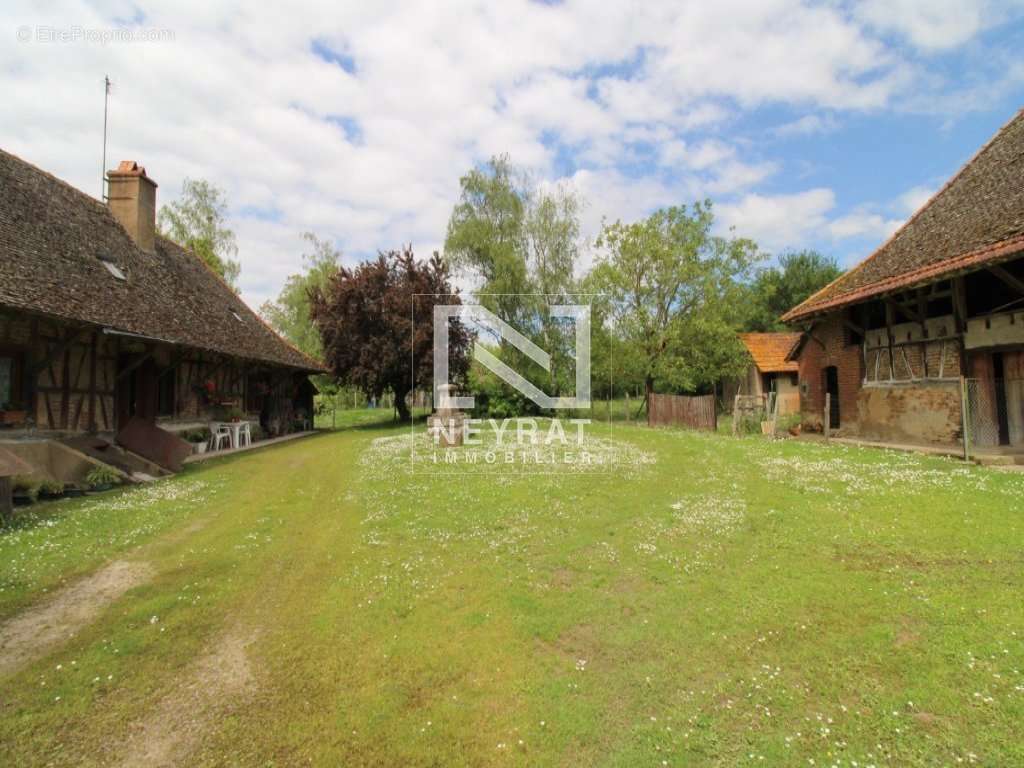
(520, 243)
(197, 221)
(777, 289)
(673, 287)
(290, 313)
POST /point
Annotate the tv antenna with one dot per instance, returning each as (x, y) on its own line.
(103, 170)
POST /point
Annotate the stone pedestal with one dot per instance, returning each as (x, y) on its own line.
(446, 423)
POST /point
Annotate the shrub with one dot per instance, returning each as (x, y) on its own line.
(26, 485)
(102, 476)
(51, 488)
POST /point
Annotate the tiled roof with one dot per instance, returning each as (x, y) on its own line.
(54, 240)
(769, 351)
(976, 219)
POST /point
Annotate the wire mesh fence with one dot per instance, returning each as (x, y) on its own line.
(995, 409)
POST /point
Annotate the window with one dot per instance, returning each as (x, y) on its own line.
(165, 393)
(11, 371)
(238, 317)
(116, 272)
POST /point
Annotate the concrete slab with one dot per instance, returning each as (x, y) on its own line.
(197, 457)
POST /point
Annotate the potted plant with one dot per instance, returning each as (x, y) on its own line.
(199, 438)
(9, 416)
(102, 478)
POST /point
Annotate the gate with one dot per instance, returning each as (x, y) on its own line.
(682, 411)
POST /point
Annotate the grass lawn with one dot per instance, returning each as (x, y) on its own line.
(722, 602)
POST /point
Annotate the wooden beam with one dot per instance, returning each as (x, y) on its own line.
(92, 384)
(173, 366)
(1014, 282)
(960, 304)
(58, 351)
(135, 364)
(890, 304)
(854, 327)
(889, 337)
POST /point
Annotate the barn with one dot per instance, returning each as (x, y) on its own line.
(924, 339)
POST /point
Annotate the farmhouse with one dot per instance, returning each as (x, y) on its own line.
(942, 299)
(770, 368)
(108, 329)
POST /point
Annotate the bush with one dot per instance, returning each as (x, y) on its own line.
(51, 488)
(25, 485)
(102, 476)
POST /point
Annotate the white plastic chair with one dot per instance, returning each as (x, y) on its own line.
(220, 434)
(244, 436)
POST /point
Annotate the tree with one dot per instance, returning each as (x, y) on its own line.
(290, 313)
(520, 244)
(776, 290)
(672, 287)
(365, 320)
(197, 221)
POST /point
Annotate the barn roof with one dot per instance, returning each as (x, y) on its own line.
(57, 246)
(770, 350)
(976, 219)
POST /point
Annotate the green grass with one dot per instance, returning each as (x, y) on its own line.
(736, 602)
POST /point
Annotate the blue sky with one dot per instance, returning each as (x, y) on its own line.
(809, 125)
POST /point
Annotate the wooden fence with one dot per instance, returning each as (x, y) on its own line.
(678, 410)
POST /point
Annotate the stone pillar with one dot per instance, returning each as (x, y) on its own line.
(446, 424)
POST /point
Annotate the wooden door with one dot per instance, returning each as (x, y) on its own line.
(831, 375)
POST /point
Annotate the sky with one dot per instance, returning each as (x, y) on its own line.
(809, 125)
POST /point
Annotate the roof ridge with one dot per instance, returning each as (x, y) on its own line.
(949, 182)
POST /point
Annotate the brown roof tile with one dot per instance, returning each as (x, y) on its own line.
(53, 241)
(769, 351)
(977, 218)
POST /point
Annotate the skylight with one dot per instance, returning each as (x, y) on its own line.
(238, 317)
(113, 269)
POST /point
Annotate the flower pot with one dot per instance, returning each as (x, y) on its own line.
(199, 447)
(10, 418)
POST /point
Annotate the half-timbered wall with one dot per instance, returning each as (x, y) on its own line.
(73, 379)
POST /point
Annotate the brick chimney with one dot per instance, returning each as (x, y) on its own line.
(131, 195)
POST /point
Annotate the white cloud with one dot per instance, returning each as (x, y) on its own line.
(912, 200)
(778, 222)
(931, 25)
(808, 125)
(372, 157)
(861, 223)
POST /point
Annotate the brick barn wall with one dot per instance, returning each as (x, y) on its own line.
(920, 412)
(828, 347)
(911, 413)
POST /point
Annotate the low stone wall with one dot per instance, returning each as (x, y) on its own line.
(910, 413)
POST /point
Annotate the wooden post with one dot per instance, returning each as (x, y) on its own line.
(735, 415)
(6, 502)
(965, 417)
(827, 421)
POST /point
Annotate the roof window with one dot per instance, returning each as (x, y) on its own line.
(238, 317)
(113, 269)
